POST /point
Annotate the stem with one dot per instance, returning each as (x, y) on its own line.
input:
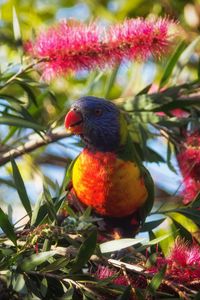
(21, 72)
(33, 144)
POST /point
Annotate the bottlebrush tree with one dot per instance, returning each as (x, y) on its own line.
(54, 252)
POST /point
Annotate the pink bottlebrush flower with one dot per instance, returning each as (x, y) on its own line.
(73, 46)
(189, 162)
(179, 113)
(183, 263)
(191, 189)
(105, 272)
(189, 157)
(184, 255)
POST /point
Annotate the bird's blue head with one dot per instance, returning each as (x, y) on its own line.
(97, 121)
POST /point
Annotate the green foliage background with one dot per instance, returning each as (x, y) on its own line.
(32, 110)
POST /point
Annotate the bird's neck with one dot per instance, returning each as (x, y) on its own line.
(101, 145)
(108, 140)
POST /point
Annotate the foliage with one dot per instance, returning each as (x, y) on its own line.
(54, 257)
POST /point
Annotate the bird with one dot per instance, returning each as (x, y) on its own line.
(108, 175)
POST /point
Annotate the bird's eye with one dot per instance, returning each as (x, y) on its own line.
(98, 112)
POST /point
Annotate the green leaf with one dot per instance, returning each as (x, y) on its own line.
(19, 184)
(31, 262)
(196, 202)
(69, 294)
(198, 70)
(193, 214)
(16, 121)
(148, 226)
(188, 52)
(110, 81)
(197, 296)
(26, 87)
(85, 252)
(156, 281)
(169, 154)
(7, 227)
(171, 64)
(18, 282)
(144, 90)
(117, 245)
(154, 241)
(56, 265)
(44, 287)
(126, 294)
(86, 214)
(16, 27)
(184, 221)
(36, 211)
(50, 205)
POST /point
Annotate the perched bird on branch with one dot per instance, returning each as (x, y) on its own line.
(108, 175)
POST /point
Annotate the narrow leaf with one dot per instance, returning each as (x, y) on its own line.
(36, 211)
(16, 27)
(110, 82)
(156, 280)
(20, 122)
(117, 245)
(148, 226)
(169, 154)
(184, 221)
(29, 263)
(7, 227)
(85, 252)
(154, 241)
(56, 265)
(126, 294)
(19, 184)
(171, 64)
(196, 202)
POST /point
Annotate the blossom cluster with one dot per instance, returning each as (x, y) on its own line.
(189, 162)
(73, 46)
(182, 267)
(183, 263)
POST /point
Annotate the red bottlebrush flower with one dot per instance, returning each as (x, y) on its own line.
(189, 162)
(183, 263)
(179, 113)
(189, 158)
(73, 46)
(191, 189)
(105, 272)
(184, 255)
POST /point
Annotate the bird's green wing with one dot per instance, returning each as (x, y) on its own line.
(146, 208)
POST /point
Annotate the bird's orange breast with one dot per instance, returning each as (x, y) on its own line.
(111, 186)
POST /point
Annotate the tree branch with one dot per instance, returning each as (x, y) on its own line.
(34, 143)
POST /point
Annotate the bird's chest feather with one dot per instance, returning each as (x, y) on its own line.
(109, 185)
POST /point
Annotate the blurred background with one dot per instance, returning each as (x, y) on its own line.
(48, 103)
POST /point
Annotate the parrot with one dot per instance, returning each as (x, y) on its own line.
(108, 175)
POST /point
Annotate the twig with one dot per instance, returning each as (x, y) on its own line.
(175, 288)
(128, 280)
(131, 267)
(34, 143)
(21, 72)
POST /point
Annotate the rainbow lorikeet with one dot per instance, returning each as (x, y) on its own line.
(108, 174)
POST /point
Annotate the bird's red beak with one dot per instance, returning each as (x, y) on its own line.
(74, 122)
